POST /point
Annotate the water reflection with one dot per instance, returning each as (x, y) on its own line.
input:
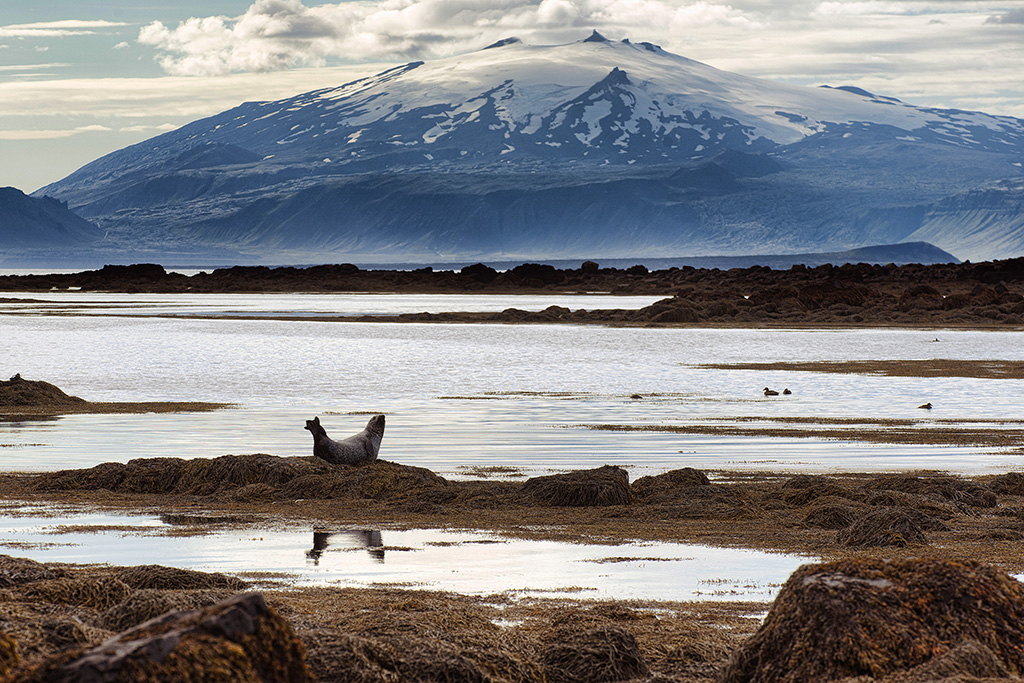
(352, 538)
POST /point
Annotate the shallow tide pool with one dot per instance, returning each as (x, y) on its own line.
(455, 560)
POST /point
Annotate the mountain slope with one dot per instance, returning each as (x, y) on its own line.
(589, 149)
(35, 223)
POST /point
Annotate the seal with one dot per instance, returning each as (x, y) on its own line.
(359, 449)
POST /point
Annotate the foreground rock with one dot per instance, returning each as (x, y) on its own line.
(873, 617)
(180, 625)
(239, 640)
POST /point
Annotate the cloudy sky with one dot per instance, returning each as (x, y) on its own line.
(78, 80)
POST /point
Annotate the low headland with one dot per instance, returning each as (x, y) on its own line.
(989, 294)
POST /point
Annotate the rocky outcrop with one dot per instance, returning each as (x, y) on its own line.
(873, 617)
(239, 640)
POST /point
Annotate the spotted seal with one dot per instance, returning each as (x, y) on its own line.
(359, 449)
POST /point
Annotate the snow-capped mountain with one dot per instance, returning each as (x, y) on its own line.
(594, 148)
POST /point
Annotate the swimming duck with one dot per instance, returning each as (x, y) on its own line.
(786, 392)
(926, 406)
(770, 392)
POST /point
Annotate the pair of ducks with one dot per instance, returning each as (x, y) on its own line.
(787, 392)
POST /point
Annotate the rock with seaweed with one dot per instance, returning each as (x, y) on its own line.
(887, 526)
(8, 654)
(15, 571)
(602, 654)
(942, 487)
(157, 576)
(830, 513)
(606, 485)
(658, 488)
(687, 493)
(20, 392)
(347, 657)
(100, 592)
(1011, 483)
(968, 661)
(874, 617)
(239, 640)
(142, 605)
(806, 488)
(228, 474)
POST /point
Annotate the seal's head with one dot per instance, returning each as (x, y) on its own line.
(314, 426)
(376, 425)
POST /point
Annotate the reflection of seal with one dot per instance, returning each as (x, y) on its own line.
(355, 450)
(367, 538)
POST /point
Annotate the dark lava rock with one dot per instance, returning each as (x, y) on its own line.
(480, 273)
(874, 617)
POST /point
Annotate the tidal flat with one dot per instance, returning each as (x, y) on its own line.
(705, 472)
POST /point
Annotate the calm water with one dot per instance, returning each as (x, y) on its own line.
(463, 561)
(463, 396)
(297, 305)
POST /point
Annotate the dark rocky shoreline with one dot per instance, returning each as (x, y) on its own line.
(989, 294)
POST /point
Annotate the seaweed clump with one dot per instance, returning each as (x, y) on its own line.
(872, 617)
(155, 576)
(240, 475)
(606, 485)
(240, 640)
(887, 526)
(18, 392)
(602, 654)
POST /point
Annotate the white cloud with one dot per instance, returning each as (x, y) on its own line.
(158, 128)
(168, 97)
(43, 134)
(57, 29)
(279, 34)
(121, 46)
(32, 67)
